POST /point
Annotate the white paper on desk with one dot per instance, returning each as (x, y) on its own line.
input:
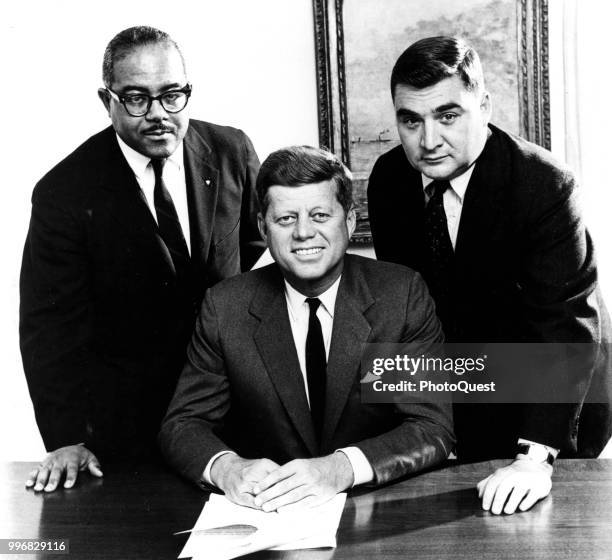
(302, 528)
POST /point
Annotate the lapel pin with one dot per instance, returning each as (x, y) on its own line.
(207, 182)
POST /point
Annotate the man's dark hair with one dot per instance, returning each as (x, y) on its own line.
(297, 166)
(127, 40)
(428, 61)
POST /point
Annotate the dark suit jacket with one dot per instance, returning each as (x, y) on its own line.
(104, 319)
(242, 388)
(525, 272)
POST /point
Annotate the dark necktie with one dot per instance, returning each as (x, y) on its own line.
(439, 267)
(167, 219)
(316, 366)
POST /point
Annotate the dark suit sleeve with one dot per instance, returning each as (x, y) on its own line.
(189, 435)
(558, 281)
(425, 435)
(382, 212)
(55, 321)
(251, 244)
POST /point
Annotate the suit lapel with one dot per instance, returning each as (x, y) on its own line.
(350, 332)
(126, 201)
(202, 179)
(480, 212)
(275, 343)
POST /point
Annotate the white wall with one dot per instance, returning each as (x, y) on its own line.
(252, 66)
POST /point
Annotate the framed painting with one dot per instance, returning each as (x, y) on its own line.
(358, 41)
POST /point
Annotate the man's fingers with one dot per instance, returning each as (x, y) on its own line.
(290, 497)
(501, 495)
(531, 498)
(516, 497)
(94, 467)
(54, 477)
(72, 472)
(279, 489)
(489, 492)
(41, 478)
(273, 478)
(243, 499)
(31, 478)
(259, 470)
(482, 485)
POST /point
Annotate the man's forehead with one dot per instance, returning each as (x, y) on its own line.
(323, 193)
(447, 92)
(155, 64)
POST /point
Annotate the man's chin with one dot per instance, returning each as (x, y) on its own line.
(437, 173)
(158, 150)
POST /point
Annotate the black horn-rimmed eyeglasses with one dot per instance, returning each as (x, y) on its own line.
(139, 104)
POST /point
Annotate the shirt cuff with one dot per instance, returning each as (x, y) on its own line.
(553, 451)
(362, 470)
(206, 473)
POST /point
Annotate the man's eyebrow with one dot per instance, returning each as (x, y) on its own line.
(403, 112)
(134, 88)
(165, 87)
(174, 85)
(447, 107)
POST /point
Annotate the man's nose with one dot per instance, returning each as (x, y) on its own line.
(304, 229)
(430, 136)
(156, 112)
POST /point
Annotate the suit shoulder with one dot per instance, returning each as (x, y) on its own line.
(529, 158)
(65, 179)
(220, 135)
(391, 159)
(236, 290)
(383, 278)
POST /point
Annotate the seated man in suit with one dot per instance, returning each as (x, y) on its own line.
(492, 223)
(268, 406)
(126, 235)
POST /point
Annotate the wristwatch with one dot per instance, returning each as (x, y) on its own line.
(535, 452)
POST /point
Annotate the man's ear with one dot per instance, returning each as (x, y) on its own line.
(486, 107)
(261, 225)
(351, 222)
(105, 98)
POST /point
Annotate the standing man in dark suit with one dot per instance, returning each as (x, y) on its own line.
(126, 235)
(268, 407)
(492, 223)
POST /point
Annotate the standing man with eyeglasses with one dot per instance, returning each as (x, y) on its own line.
(126, 235)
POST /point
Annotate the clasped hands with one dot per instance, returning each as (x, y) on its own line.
(263, 484)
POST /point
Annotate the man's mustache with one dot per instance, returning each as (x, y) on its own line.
(158, 129)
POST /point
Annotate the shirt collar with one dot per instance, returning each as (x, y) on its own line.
(139, 162)
(296, 299)
(458, 184)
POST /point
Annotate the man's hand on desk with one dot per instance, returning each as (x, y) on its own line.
(521, 484)
(237, 476)
(66, 461)
(306, 482)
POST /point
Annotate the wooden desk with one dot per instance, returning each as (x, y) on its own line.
(132, 513)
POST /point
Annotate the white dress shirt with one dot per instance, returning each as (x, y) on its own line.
(174, 179)
(299, 313)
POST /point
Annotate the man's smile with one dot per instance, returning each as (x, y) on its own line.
(307, 251)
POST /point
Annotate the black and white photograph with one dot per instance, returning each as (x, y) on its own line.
(306, 278)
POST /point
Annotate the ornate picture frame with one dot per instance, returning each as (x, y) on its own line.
(354, 105)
